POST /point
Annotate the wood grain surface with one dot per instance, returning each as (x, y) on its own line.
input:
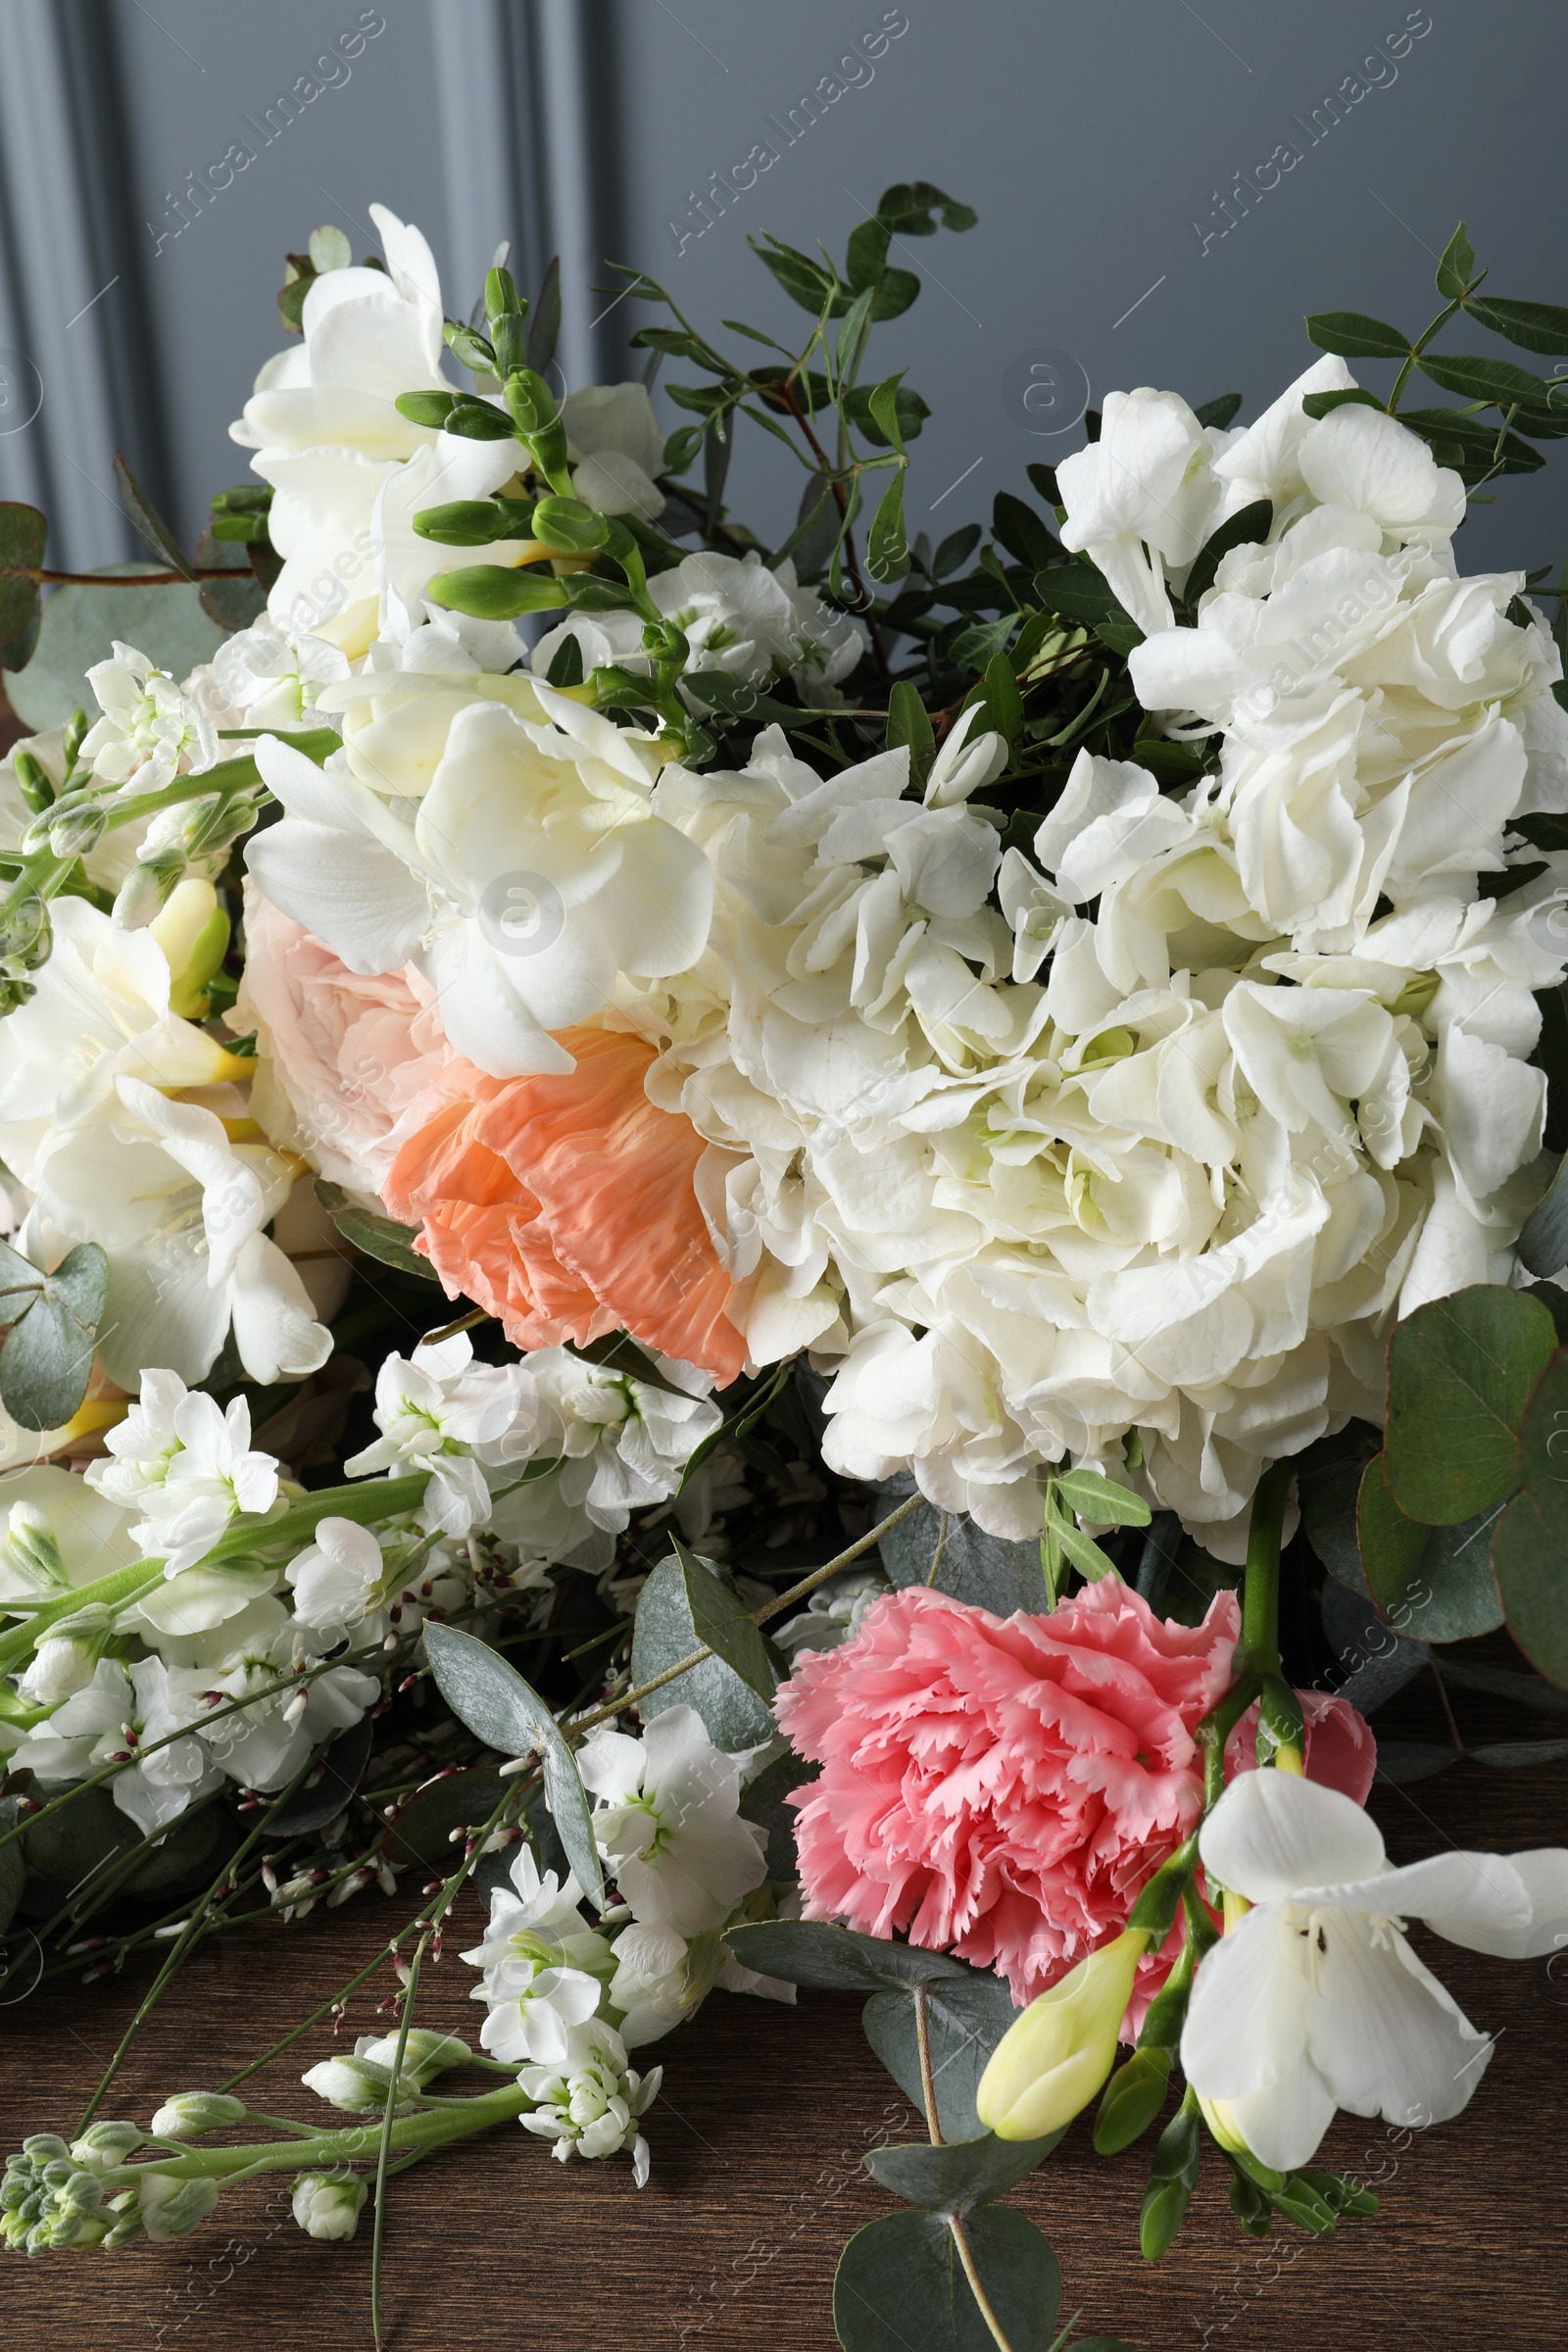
(757, 2145)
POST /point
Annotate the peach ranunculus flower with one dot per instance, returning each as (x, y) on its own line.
(1002, 1788)
(345, 1065)
(566, 1206)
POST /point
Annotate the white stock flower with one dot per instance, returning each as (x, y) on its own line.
(622, 1442)
(334, 1578)
(668, 1822)
(545, 1969)
(270, 680)
(149, 732)
(440, 1412)
(121, 1710)
(190, 1467)
(328, 2204)
(1315, 2000)
(252, 1652)
(737, 615)
(55, 1532)
(589, 2101)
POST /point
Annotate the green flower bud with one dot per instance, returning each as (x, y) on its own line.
(500, 295)
(168, 2207)
(78, 831)
(1049, 2065)
(570, 525)
(76, 726)
(1130, 2100)
(25, 935)
(147, 889)
(33, 783)
(191, 2113)
(102, 2147)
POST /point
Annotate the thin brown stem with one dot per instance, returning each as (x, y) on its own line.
(928, 2081)
(982, 2299)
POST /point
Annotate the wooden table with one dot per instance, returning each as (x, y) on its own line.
(756, 2178)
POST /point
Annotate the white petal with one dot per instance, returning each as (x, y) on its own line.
(1272, 1833)
(1543, 1873)
(1283, 2123)
(350, 892)
(1246, 2020)
(1387, 2039)
(275, 1330)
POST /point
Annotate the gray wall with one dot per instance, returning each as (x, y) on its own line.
(1089, 140)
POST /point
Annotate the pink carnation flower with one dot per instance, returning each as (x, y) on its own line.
(1340, 1749)
(1002, 1788)
(347, 1068)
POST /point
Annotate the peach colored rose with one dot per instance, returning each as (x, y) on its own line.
(566, 1206)
(345, 1065)
(1002, 1788)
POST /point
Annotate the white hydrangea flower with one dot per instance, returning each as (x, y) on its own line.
(590, 2100)
(150, 730)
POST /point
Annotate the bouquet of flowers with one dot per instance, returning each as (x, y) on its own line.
(705, 1260)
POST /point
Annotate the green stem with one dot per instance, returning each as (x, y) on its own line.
(1404, 377)
(1260, 1601)
(117, 1589)
(388, 2119)
(982, 2299)
(418, 2133)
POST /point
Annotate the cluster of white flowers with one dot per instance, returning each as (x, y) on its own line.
(566, 2001)
(230, 1667)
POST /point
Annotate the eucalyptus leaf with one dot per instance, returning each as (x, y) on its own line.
(953, 2176)
(1543, 1243)
(1400, 1760)
(965, 2017)
(1543, 1447)
(1460, 1373)
(666, 1630)
(1530, 1563)
(509, 1715)
(764, 1800)
(420, 1838)
(900, 2285)
(835, 1959)
(79, 628)
(989, 1571)
(46, 1361)
(324, 1791)
(1430, 1583)
(148, 521)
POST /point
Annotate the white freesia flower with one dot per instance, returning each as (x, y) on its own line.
(1315, 2000)
(589, 2101)
(180, 1210)
(616, 449)
(149, 732)
(268, 679)
(668, 1822)
(545, 1969)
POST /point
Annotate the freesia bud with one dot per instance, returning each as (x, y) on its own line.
(189, 2113)
(965, 764)
(146, 889)
(1049, 2065)
(328, 2204)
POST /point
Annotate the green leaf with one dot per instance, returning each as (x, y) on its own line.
(378, 1237)
(1083, 1551)
(909, 722)
(908, 206)
(884, 405)
(13, 1871)
(1543, 1447)
(543, 320)
(855, 320)
(804, 280)
(420, 1838)
(909, 410)
(497, 591)
(1534, 326)
(965, 2017)
(1001, 700)
(988, 1571)
(148, 521)
(1430, 1583)
(955, 551)
(976, 648)
(866, 255)
(1221, 411)
(666, 1629)
(1094, 1497)
(1080, 592)
(1460, 1373)
(1329, 1485)
(835, 1959)
(1497, 381)
(900, 2285)
(1544, 1243)
(1471, 445)
(953, 2176)
(78, 629)
(1324, 403)
(764, 1800)
(721, 1618)
(887, 552)
(1458, 267)
(1355, 336)
(738, 701)
(1250, 524)
(509, 1715)
(46, 1361)
(1020, 529)
(23, 535)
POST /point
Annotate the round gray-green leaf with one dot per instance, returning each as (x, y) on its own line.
(166, 624)
(900, 2285)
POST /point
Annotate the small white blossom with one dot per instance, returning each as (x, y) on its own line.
(334, 1578)
(189, 1465)
(150, 731)
(545, 1969)
(328, 2204)
(669, 1824)
(119, 1712)
(436, 1409)
(590, 2099)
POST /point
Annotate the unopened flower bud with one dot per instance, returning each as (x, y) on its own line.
(79, 830)
(328, 2204)
(170, 2207)
(146, 889)
(59, 1669)
(347, 2083)
(104, 2147)
(191, 2113)
(1049, 2065)
(193, 932)
(32, 782)
(25, 935)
